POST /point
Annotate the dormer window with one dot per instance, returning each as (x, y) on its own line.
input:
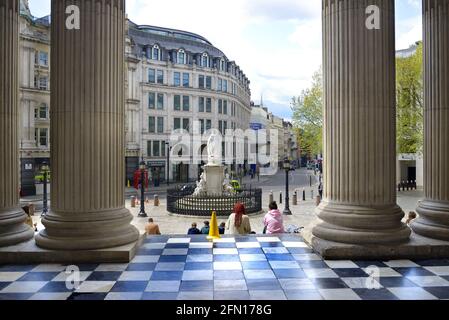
(222, 65)
(181, 57)
(156, 55)
(205, 60)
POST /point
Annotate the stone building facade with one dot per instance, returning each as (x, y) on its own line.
(34, 103)
(173, 79)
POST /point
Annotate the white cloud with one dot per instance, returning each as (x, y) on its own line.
(408, 31)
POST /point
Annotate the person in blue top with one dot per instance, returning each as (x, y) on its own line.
(194, 229)
(206, 228)
(221, 228)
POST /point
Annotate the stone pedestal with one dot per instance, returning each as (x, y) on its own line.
(214, 179)
(433, 221)
(12, 217)
(87, 120)
(359, 205)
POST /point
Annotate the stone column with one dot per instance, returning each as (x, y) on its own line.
(12, 217)
(359, 205)
(87, 130)
(433, 221)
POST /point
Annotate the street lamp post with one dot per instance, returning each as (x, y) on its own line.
(168, 163)
(287, 169)
(45, 169)
(142, 168)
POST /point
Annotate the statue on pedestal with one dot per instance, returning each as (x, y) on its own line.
(214, 150)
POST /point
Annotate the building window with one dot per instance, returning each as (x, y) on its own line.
(201, 81)
(41, 83)
(151, 100)
(208, 124)
(185, 103)
(176, 123)
(160, 125)
(156, 149)
(151, 125)
(225, 107)
(156, 53)
(160, 101)
(43, 59)
(185, 80)
(202, 126)
(201, 104)
(209, 105)
(149, 148)
(151, 75)
(41, 137)
(220, 106)
(222, 65)
(177, 103)
(163, 148)
(220, 126)
(160, 76)
(209, 82)
(219, 84)
(41, 112)
(185, 124)
(225, 85)
(177, 79)
(205, 60)
(181, 57)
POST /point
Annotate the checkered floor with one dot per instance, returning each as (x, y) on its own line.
(241, 268)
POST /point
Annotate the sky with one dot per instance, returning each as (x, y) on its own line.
(277, 43)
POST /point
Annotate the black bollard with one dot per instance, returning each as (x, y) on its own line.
(280, 197)
(303, 194)
(399, 187)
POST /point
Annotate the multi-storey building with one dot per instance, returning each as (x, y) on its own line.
(34, 96)
(290, 143)
(176, 79)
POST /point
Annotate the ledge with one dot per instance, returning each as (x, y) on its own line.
(29, 253)
(417, 247)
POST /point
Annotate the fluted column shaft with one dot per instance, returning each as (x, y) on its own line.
(359, 126)
(433, 212)
(87, 136)
(12, 227)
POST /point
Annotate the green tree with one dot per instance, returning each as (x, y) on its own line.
(409, 96)
(308, 117)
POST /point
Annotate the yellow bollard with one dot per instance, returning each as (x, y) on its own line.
(213, 227)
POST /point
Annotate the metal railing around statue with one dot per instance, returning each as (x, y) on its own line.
(180, 200)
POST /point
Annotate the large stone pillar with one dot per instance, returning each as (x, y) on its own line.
(87, 130)
(433, 221)
(12, 227)
(359, 204)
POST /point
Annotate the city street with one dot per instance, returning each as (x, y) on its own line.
(302, 214)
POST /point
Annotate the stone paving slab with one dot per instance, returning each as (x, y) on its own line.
(291, 271)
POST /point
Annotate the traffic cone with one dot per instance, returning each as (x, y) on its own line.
(129, 184)
(213, 228)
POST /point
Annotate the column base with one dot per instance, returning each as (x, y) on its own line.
(13, 230)
(360, 225)
(417, 247)
(87, 231)
(433, 220)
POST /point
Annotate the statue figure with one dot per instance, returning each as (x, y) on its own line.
(214, 150)
(200, 186)
(227, 187)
